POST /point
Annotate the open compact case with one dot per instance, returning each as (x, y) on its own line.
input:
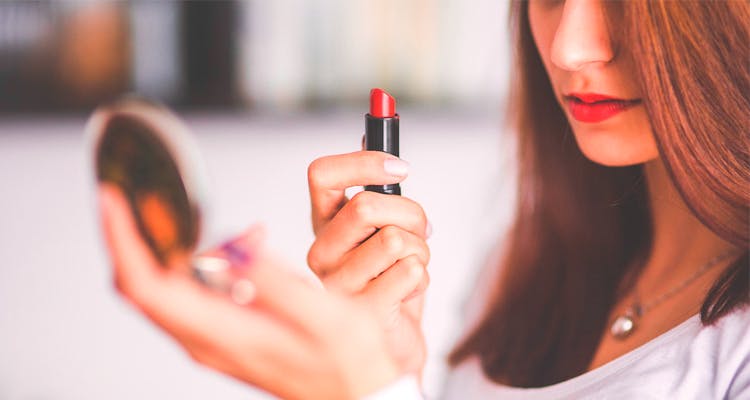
(149, 154)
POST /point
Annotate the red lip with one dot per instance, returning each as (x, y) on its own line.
(592, 107)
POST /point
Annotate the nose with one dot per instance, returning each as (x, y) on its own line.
(582, 37)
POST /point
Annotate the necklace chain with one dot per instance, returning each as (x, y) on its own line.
(664, 296)
(625, 323)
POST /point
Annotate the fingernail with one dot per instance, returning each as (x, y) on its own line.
(235, 254)
(396, 167)
(428, 230)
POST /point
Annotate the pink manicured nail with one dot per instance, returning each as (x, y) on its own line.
(236, 255)
(396, 167)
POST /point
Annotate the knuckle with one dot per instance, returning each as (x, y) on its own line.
(421, 217)
(426, 254)
(314, 260)
(363, 205)
(315, 172)
(419, 214)
(415, 269)
(419, 211)
(415, 218)
(425, 280)
(392, 240)
(422, 213)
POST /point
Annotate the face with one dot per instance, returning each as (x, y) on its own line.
(594, 82)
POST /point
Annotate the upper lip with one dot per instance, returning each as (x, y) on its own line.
(593, 97)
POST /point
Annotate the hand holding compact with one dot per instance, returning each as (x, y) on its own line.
(293, 339)
(245, 315)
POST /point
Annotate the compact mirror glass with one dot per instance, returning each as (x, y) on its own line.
(148, 153)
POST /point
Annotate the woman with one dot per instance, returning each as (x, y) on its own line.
(625, 274)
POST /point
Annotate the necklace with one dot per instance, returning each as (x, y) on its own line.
(627, 322)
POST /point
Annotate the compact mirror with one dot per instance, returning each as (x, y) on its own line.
(148, 152)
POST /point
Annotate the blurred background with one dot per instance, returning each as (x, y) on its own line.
(267, 87)
(269, 55)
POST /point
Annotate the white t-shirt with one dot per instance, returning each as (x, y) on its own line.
(689, 361)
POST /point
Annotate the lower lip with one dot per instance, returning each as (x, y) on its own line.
(598, 111)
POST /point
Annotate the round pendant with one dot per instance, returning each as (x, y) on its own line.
(622, 327)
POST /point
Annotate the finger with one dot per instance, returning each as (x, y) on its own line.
(358, 220)
(329, 176)
(134, 264)
(374, 256)
(395, 284)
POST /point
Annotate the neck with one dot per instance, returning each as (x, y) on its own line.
(681, 243)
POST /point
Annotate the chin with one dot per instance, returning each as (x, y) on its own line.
(613, 150)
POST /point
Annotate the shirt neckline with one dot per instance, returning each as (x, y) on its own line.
(595, 375)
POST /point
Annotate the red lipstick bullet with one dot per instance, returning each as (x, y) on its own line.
(381, 132)
(382, 105)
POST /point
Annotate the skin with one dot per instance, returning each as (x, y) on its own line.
(580, 54)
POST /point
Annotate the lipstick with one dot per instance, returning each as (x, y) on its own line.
(592, 108)
(381, 132)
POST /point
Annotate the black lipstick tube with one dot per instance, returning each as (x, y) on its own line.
(381, 134)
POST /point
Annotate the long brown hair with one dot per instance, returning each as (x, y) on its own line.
(582, 227)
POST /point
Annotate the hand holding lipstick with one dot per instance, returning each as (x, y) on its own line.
(373, 247)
